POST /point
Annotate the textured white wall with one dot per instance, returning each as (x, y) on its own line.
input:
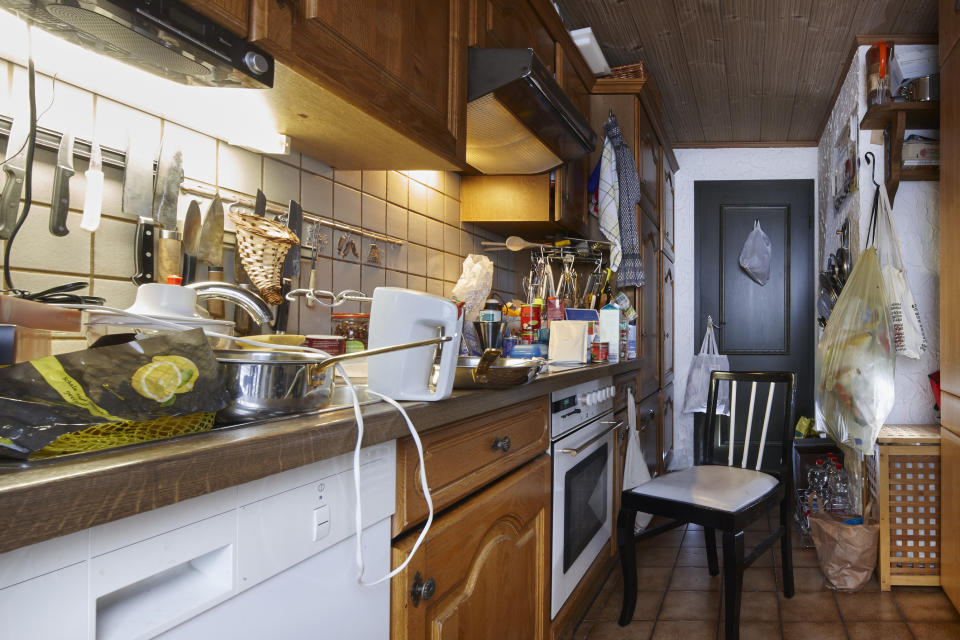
(714, 164)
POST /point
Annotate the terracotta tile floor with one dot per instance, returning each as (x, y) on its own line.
(678, 599)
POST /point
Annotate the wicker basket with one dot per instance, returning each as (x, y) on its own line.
(908, 487)
(262, 245)
(636, 71)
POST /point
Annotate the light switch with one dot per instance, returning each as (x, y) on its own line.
(321, 522)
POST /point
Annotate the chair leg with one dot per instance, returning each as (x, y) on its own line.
(710, 536)
(732, 582)
(786, 548)
(628, 563)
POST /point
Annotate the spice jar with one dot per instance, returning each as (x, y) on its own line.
(878, 77)
(353, 327)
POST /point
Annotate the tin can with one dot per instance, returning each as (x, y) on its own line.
(600, 351)
(529, 317)
(528, 337)
(507, 347)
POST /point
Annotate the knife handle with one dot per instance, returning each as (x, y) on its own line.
(168, 256)
(143, 251)
(312, 302)
(283, 310)
(60, 201)
(215, 307)
(92, 201)
(10, 204)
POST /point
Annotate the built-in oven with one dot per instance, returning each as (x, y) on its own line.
(582, 447)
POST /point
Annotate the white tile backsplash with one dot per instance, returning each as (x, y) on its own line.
(398, 188)
(109, 236)
(199, 152)
(346, 205)
(238, 169)
(281, 182)
(317, 194)
(374, 213)
(36, 248)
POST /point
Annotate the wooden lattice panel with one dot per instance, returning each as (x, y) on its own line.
(908, 479)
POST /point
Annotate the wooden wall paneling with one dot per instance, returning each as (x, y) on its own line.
(950, 225)
(744, 34)
(916, 17)
(648, 333)
(820, 67)
(787, 22)
(513, 23)
(701, 31)
(949, 28)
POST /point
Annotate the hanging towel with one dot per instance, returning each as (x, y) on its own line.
(635, 471)
(593, 184)
(608, 202)
(631, 265)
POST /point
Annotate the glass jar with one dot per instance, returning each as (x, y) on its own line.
(878, 80)
(353, 327)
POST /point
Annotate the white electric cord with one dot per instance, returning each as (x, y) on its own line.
(358, 415)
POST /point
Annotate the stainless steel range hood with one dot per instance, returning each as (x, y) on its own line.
(519, 120)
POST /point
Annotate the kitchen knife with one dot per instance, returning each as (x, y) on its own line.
(15, 166)
(60, 199)
(138, 201)
(291, 266)
(210, 251)
(191, 241)
(93, 198)
(260, 208)
(315, 236)
(165, 198)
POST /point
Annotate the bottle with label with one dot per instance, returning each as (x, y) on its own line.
(610, 331)
(491, 311)
(878, 75)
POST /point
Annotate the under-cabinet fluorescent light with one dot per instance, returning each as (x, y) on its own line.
(241, 117)
(586, 41)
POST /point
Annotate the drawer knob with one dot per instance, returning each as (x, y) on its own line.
(501, 444)
(422, 590)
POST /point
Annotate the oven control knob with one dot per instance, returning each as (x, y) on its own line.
(611, 391)
(594, 397)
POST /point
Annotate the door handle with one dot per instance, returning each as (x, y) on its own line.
(580, 449)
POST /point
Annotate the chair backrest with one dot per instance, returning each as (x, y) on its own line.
(752, 394)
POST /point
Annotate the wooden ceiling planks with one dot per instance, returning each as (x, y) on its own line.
(744, 71)
(744, 38)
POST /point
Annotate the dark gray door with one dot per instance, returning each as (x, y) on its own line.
(761, 328)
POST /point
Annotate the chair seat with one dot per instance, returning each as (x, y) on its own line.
(711, 486)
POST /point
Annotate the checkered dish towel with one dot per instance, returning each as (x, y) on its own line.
(631, 265)
(608, 201)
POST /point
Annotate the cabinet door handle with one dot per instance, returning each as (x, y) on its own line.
(574, 452)
(501, 444)
(422, 590)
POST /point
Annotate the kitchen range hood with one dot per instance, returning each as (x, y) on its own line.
(519, 120)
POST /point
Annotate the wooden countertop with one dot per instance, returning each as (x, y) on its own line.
(46, 499)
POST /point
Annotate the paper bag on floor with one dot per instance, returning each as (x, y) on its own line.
(635, 471)
(847, 552)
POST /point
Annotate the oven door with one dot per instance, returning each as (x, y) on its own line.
(582, 504)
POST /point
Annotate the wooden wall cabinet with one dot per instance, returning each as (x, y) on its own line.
(487, 564)
(648, 321)
(665, 444)
(230, 14)
(667, 238)
(950, 481)
(667, 295)
(648, 160)
(649, 425)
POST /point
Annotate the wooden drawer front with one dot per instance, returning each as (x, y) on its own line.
(621, 383)
(462, 457)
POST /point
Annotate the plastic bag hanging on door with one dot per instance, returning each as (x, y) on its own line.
(855, 374)
(755, 255)
(698, 380)
(908, 337)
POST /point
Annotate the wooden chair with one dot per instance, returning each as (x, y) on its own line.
(720, 497)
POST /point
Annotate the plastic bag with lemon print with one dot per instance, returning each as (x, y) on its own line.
(158, 387)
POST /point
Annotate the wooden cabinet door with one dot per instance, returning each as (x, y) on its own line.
(949, 24)
(648, 423)
(667, 240)
(950, 504)
(511, 23)
(572, 176)
(230, 14)
(648, 325)
(488, 561)
(950, 226)
(666, 421)
(666, 325)
(648, 158)
(402, 62)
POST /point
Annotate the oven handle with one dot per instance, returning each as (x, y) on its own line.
(574, 452)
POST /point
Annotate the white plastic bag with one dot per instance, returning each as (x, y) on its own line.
(755, 255)
(473, 289)
(635, 470)
(698, 380)
(908, 337)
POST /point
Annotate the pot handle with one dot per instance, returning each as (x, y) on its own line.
(323, 364)
(481, 371)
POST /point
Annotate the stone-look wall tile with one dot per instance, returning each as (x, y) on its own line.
(374, 214)
(346, 205)
(113, 243)
(396, 221)
(435, 286)
(316, 166)
(398, 188)
(434, 234)
(375, 183)
(346, 276)
(396, 279)
(434, 264)
(118, 293)
(199, 152)
(451, 211)
(418, 197)
(417, 283)
(44, 165)
(451, 185)
(31, 281)
(397, 256)
(448, 289)
(435, 204)
(115, 124)
(372, 277)
(344, 251)
(35, 248)
(452, 266)
(316, 194)
(368, 247)
(112, 193)
(416, 260)
(71, 109)
(239, 170)
(281, 182)
(451, 240)
(352, 179)
(416, 228)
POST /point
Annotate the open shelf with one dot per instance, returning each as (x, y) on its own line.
(896, 118)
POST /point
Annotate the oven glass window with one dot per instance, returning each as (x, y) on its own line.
(585, 504)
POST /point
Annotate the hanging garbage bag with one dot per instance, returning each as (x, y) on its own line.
(755, 255)
(698, 380)
(855, 374)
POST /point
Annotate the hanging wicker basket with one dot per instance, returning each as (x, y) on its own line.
(262, 245)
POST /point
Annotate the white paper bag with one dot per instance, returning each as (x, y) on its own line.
(698, 380)
(756, 254)
(635, 471)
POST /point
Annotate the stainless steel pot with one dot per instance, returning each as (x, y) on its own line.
(922, 89)
(267, 384)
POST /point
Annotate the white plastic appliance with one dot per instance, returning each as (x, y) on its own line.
(402, 315)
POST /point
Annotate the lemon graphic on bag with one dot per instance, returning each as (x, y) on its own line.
(188, 371)
(157, 381)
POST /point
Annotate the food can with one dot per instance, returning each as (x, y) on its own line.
(600, 351)
(529, 317)
(334, 345)
(528, 337)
